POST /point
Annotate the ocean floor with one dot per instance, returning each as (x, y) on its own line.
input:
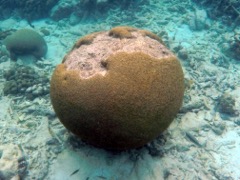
(203, 142)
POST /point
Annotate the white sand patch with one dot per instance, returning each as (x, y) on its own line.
(90, 163)
(182, 34)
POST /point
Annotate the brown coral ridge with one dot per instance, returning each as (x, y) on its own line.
(122, 32)
(126, 32)
(152, 35)
(129, 106)
(86, 40)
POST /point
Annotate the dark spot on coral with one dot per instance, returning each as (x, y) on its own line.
(85, 66)
(165, 52)
(104, 63)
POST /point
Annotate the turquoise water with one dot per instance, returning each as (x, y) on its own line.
(202, 142)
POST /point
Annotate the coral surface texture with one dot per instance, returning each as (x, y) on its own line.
(118, 89)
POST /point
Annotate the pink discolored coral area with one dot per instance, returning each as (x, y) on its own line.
(89, 58)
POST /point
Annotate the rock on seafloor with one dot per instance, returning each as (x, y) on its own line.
(12, 163)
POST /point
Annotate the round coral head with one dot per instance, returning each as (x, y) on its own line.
(118, 89)
(26, 42)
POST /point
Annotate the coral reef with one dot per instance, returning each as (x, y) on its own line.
(101, 5)
(26, 41)
(29, 9)
(84, 9)
(226, 10)
(63, 10)
(23, 80)
(117, 92)
(34, 9)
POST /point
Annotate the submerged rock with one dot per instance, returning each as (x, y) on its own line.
(10, 162)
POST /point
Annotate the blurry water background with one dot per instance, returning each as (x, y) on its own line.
(203, 141)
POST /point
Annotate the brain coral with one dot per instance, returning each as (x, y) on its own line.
(118, 89)
(26, 41)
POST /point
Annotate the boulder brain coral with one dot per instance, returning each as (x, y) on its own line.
(25, 41)
(115, 91)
